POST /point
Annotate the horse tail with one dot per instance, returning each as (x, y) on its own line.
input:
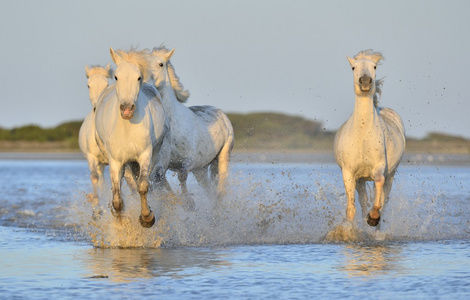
(223, 158)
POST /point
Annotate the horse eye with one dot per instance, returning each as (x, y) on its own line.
(352, 69)
(88, 86)
(160, 64)
(138, 79)
(115, 78)
(375, 67)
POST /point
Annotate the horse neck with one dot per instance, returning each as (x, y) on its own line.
(169, 101)
(365, 113)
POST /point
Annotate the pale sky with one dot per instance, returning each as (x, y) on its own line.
(244, 56)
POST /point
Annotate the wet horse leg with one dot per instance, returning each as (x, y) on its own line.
(202, 178)
(214, 170)
(182, 177)
(131, 172)
(116, 173)
(373, 218)
(95, 181)
(147, 217)
(188, 201)
(160, 179)
(350, 187)
(363, 198)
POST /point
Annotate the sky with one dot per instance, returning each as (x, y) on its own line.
(244, 56)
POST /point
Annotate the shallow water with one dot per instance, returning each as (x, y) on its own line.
(265, 240)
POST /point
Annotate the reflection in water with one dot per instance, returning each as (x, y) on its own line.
(124, 265)
(361, 260)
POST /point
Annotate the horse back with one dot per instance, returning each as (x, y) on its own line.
(216, 124)
(206, 113)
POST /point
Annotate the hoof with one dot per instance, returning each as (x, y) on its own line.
(371, 221)
(148, 221)
(115, 212)
(118, 206)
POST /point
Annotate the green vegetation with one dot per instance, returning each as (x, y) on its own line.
(33, 137)
(38, 134)
(255, 131)
(277, 131)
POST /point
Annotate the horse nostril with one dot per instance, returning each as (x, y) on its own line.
(121, 107)
(133, 107)
(365, 80)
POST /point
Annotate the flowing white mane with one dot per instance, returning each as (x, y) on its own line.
(370, 54)
(181, 94)
(378, 91)
(139, 58)
(97, 69)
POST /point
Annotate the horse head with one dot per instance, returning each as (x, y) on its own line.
(159, 61)
(364, 66)
(97, 81)
(129, 75)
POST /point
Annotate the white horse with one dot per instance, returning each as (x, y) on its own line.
(97, 81)
(201, 136)
(98, 77)
(370, 144)
(131, 128)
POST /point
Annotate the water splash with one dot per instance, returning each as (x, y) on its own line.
(279, 205)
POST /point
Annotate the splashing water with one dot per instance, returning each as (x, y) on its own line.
(277, 204)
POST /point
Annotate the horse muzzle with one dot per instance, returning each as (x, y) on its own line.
(365, 83)
(127, 111)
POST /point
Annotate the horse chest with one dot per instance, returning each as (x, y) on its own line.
(361, 150)
(128, 142)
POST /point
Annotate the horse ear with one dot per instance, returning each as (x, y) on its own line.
(107, 67)
(351, 61)
(169, 54)
(116, 58)
(87, 70)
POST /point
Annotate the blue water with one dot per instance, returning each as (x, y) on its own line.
(264, 242)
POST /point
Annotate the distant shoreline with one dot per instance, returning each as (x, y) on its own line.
(260, 156)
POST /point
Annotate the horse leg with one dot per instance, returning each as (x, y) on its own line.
(202, 178)
(363, 199)
(387, 187)
(188, 201)
(116, 173)
(223, 161)
(160, 179)
(386, 190)
(214, 170)
(373, 218)
(350, 187)
(147, 217)
(182, 177)
(100, 172)
(95, 180)
(131, 173)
